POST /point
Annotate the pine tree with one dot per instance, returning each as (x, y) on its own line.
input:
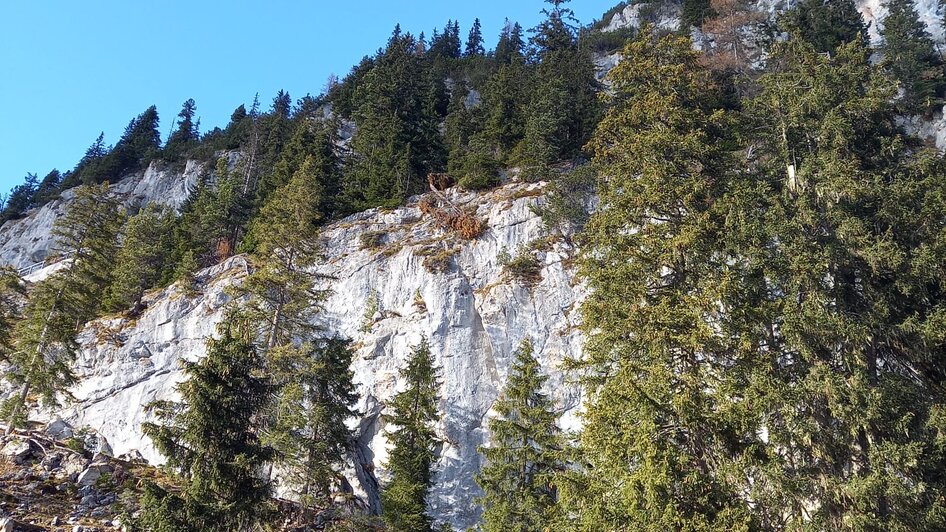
(413, 412)
(140, 260)
(524, 454)
(474, 42)
(309, 433)
(48, 188)
(827, 24)
(510, 43)
(658, 454)
(12, 293)
(44, 339)
(211, 438)
(563, 107)
(309, 139)
(398, 140)
(910, 56)
(20, 199)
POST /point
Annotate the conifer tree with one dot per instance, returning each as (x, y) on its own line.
(48, 188)
(858, 447)
(44, 339)
(211, 437)
(397, 142)
(563, 106)
(140, 260)
(510, 43)
(658, 454)
(827, 24)
(309, 432)
(910, 56)
(186, 133)
(474, 43)
(282, 289)
(12, 293)
(309, 139)
(693, 13)
(524, 454)
(20, 199)
(413, 412)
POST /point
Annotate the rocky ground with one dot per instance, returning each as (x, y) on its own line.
(59, 479)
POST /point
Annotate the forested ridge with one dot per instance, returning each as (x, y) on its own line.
(765, 325)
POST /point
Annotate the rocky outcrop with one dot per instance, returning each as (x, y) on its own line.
(26, 242)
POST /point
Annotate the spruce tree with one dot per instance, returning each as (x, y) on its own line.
(474, 42)
(563, 106)
(397, 142)
(510, 43)
(524, 455)
(186, 133)
(658, 453)
(44, 339)
(309, 432)
(141, 258)
(281, 289)
(211, 437)
(693, 13)
(12, 294)
(910, 56)
(827, 24)
(413, 413)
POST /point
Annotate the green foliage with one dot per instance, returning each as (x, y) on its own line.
(187, 134)
(827, 24)
(846, 322)
(398, 139)
(282, 292)
(658, 453)
(524, 455)
(315, 399)
(137, 147)
(563, 105)
(567, 201)
(211, 437)
(524, 267)
(911, 57)
(413, 413)
(140, 260)
(44, 339)
(12, 294)
(694, 12)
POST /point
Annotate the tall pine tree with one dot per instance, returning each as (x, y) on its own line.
(911, 57)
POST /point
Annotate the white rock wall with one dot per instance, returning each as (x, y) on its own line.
(473, 315)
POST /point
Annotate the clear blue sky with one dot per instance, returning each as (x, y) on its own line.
(71, 69)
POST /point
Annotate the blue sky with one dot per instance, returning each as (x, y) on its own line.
(69, 69)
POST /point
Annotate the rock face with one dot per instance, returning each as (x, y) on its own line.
(395, 278)
(26, 242)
